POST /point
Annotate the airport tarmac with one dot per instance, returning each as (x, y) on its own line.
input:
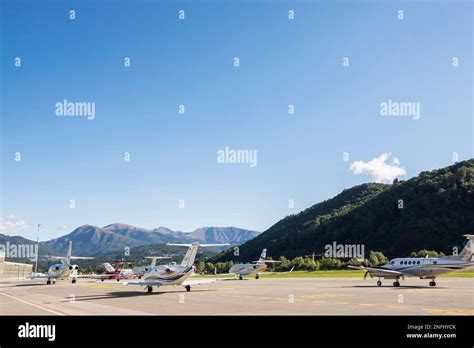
(265, 296)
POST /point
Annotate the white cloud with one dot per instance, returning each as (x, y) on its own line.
(11, 224)
(381, 171)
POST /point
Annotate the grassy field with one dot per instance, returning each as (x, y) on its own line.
(332, 274)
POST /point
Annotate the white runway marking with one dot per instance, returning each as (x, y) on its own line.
(32, 304)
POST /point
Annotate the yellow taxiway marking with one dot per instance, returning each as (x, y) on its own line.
(341, 302)
(397, 307)
(367, 304)
(433, 310)
(449, 311)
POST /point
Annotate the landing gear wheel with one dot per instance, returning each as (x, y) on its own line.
(432, 283)
(256, 277)
(188, 287)
(73, 281)
(240, 277)
(396, 284)
(54, 282)
(48, 282)
(149, 289)
(118, 280)
(101, 280)
(379, 283)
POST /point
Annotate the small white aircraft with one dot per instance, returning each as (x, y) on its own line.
(256, 267)
(163, 275)
(424, 268)
(62, 270)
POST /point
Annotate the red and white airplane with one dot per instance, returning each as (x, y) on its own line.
(116, 273)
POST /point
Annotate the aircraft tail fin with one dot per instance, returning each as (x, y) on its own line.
(263, 259)
(190, 256)
(67, 260)
(108, 267)
(467, 251)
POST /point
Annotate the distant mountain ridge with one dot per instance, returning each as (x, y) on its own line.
(91, 240)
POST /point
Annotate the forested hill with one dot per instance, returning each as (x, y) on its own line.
(431, 211)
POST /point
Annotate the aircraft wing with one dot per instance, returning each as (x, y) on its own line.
(291, 270)
(143, 283)
(266, 261)
(378, 271)
(198, 281)
(96, 276)
(38, 276)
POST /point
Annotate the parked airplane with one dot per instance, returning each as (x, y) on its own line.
(256, 267)
(174, 274)
(116, 273)
(424, 268)
(64, 269)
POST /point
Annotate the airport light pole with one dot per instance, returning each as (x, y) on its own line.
(37, 248)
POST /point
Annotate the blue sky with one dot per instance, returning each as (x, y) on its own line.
(190, 62)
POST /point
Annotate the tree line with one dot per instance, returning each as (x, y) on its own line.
(300, 263)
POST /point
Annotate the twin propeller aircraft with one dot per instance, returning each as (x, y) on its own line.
(424, 268)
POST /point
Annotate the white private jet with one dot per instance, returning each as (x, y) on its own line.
(424, 268)
(256, 267)
(62, 270)
(174, 274)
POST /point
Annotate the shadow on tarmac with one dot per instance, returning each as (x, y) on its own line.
(125, 294)
(395, 287)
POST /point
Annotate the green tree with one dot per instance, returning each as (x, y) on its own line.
(284, 264)
(310, 265)
(298, 263)
(424, 253)
(209, 267)
(377, 258)
(200, 266)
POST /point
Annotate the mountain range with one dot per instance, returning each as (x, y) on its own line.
(91, 240)
(430, 211)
